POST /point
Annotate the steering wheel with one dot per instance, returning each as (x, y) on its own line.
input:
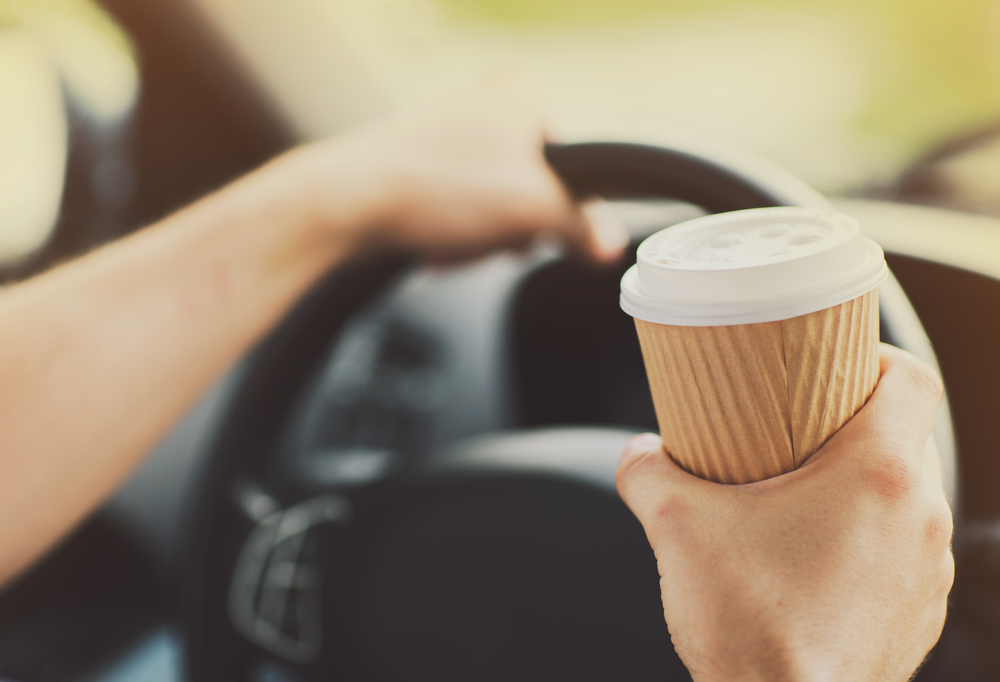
(376, 509)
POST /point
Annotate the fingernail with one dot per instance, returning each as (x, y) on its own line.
(644, 442)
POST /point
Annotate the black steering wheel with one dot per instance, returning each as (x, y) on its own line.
(372, 512)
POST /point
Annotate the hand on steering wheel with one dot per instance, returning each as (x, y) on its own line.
(453, 183)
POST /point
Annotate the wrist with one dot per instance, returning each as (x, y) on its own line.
(342, 195)
(306, 210)
(796, 666)
(762, 661)
(750, 670)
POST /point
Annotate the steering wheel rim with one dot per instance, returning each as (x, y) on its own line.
(276, 372)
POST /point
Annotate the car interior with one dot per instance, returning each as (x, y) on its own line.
(394, 483)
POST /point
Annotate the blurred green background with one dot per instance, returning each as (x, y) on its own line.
(845, 93)
(842, 91)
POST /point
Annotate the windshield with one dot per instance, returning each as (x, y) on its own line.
(839, 91)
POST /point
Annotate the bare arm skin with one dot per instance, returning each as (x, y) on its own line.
(839, 570)
(100, 356)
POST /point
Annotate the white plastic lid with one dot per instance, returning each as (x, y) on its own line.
(758, 265)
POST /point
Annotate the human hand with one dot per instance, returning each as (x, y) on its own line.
(454, 182)
(839, 570)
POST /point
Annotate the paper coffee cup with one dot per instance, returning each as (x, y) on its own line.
(759, 330)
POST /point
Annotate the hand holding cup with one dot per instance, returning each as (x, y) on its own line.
(759, 330)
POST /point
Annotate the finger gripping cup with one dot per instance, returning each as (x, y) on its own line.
(759, 331)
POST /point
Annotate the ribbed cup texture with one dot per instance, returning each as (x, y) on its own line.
(743, 403)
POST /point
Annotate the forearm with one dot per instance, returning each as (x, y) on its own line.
(100, 356)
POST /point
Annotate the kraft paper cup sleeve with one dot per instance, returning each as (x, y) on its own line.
(759, 330)
(743, 403)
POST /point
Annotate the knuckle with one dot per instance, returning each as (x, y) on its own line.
(938, 529)
(524, 216)
(944, 590)
(669, 514)
(536, 205)
(894, 476)
(947, 576)
(925, 380)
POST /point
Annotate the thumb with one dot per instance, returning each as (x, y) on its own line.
(605, 238)
(650, 482)
(590, 227)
